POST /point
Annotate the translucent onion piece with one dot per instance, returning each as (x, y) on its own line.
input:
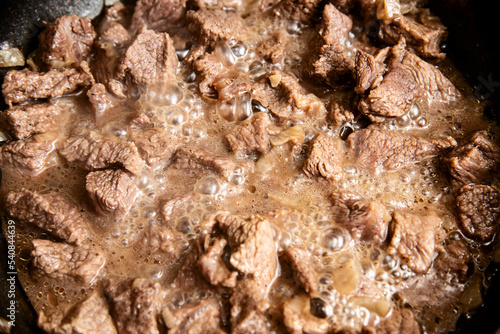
(11, 57)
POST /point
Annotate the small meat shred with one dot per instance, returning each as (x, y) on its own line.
(99, 99)
(155, 145)
(27, 156)
(90, 316)
(288, 100)
(23, 85)
(32, 118)
(275, 48)
(325, 158)
(112, 191)
(478, 209)
(212, 265)
(61, 261)
(135, 305)
(303, 268)
(414, 238)
(203, 317)
(297, 317)
(69, 40)
(426, 41)
(366, 221)
(473, 160)
(199, 159)
(251, 136)
(218, 81)
(96, 151)
(386, 150)
(50, 212)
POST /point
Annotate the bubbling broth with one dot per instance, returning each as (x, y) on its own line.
(349, 245)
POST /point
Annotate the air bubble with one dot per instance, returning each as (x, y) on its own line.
(208, 186)
(176, 116)
(422, 122)
(334, 239)
(293, 27)
(389, 262)
(414, 112)
(239, 50)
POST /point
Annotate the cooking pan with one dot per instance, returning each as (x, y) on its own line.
(471, 46)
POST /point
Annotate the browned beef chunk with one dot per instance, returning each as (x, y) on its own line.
(109, 48)
(200, 159)
(400, 321)
(141, 122)
(97, 151)
(325, 158)
(253, 252)
(339, 113)
(369, 70)
(51, 212)
(157, 238)
(283, 95)
(414, 238)
(155, 145)
(170, 206)
(328, 61)
(453, 259)
(61, 261)
(116, 13)
(366, 221)
(67, 41)
(302, 11)
(297, 317)
(199, 318)
(473, 160)
(385, 150)
(90, 316)
(150, 58)
(212, 27)
(478, 209)
(436, 298)
(26, 156)
(135, 305)
(112, 191)
(230, 85)
(158, 15)
(213, 267)
(425, 40)
(407, 78)
(274, 48)
(99, 99)
(28, 119)
(115, 35)
(219, 82)
(251, 136)
(390, 96)
(251, 321)
(303, 268)
(20, 86)
(209, 67)
(335, 26)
